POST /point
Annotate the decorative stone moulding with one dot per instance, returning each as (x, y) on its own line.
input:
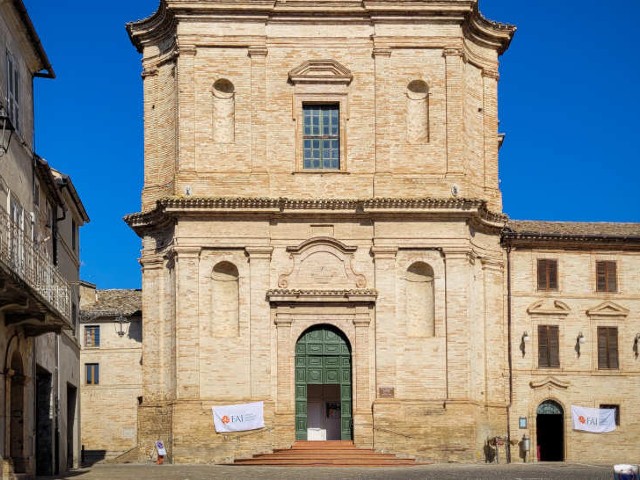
(356, 295)
(169, 207)
(556, 308)
(609, 310)
(322, 261)
(550, 382)
(321, 71)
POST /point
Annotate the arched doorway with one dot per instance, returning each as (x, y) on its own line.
(550, 432)
(16, 424)
(323, 385)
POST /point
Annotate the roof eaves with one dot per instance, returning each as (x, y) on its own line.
(35, 41)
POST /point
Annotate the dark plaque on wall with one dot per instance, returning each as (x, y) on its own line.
(386, 392)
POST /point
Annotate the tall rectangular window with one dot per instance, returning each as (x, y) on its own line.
(606, 276)
(548, 346)
(607, 348)
(92, 336)
(92, 373)
(13, 99)
(547, 274)
(321, 137)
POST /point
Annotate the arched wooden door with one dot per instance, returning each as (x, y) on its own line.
(550, 432)
(323, 384)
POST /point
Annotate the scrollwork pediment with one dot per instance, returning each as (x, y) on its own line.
(556, 307)
(322, 263)
(550, 382)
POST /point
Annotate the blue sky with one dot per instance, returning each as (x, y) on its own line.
(568, 105)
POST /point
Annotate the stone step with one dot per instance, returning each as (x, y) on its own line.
(328, 453)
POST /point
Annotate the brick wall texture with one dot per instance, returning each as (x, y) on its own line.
(245, 249)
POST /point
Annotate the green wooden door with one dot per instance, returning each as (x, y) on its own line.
(323, 357)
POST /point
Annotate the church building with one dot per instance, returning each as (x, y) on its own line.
(322, 232)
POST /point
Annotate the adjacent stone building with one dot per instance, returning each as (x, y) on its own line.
(111, 365)
(40, 217)
(322, 231)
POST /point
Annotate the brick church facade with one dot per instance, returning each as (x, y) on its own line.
(322, 226)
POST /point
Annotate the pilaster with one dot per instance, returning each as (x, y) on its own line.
(285, 358)
(454, 66)
(496, 390)
(258, 55)
(490, 127)
(186, 108)
(260, 338)
(457, 323)
(381, 58)
(156, 366)
(187, 261)
(385, 328)
(362, 368)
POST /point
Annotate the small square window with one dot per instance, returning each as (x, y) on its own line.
(613, 407)
(606, 276)
(92, 336)
(547, 274)
(92, 373)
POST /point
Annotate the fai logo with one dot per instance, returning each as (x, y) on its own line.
(225, 419)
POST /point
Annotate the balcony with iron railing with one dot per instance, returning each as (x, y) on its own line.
(33, 293)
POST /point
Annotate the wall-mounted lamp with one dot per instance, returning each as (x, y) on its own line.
(525, 339)
(580, 340)
(122, 325)
(6, 131)
(636, 347)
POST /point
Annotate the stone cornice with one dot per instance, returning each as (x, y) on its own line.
(168, 208)
(162, 24)
(488, 33)
(359, 295)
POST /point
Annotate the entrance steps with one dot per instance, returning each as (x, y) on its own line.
(330, 453)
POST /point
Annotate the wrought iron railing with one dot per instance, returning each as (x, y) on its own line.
(22, 257)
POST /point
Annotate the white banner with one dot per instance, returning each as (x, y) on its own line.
(596, 420)
(238, 418)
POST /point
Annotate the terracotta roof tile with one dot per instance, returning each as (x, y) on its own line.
(111, 303)
(575, 229)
